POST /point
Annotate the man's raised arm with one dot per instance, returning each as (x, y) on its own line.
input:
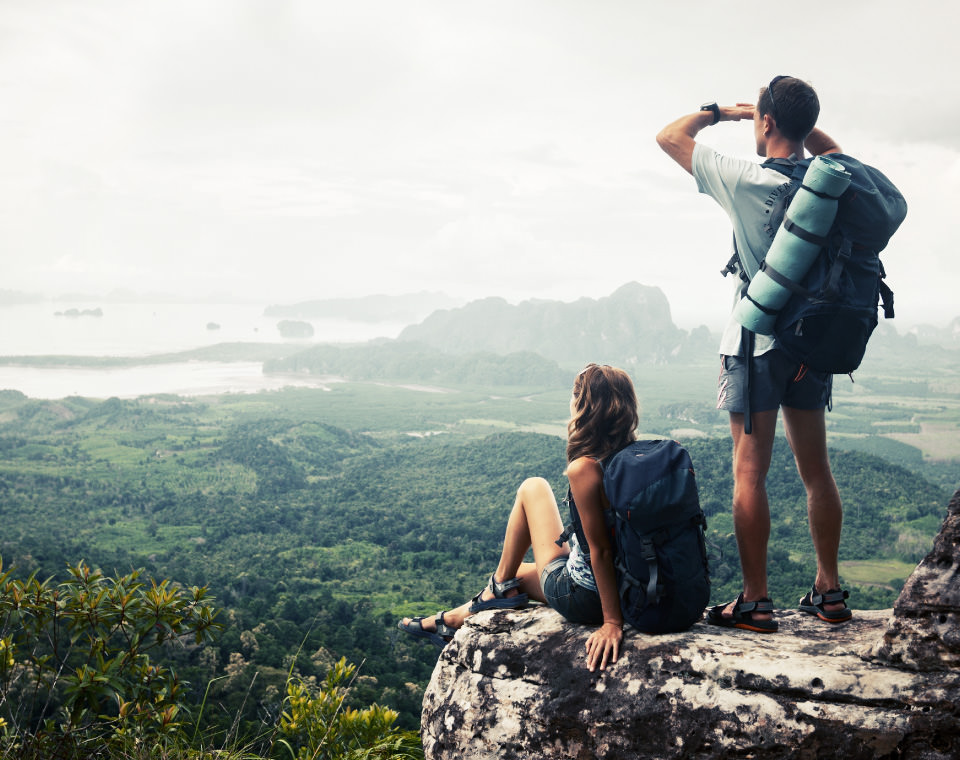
(678, 138)
(819, 143)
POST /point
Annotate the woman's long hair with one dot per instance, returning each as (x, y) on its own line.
(604, 413)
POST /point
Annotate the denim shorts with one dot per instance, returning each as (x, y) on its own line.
(576, 603)
(777, 380)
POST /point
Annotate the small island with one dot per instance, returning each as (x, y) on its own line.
(74, 313)
(291, 328)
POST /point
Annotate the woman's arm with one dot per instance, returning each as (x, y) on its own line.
(586, 485)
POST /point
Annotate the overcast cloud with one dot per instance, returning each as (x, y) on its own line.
(282, 151)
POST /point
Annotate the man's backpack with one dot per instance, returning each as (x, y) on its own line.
(656, 532)
(832, 311)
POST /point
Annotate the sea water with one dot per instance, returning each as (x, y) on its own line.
(148, 329)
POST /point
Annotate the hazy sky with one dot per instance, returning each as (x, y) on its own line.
(289, 150)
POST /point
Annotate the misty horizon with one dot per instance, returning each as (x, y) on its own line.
(710, 315)
(280, 153)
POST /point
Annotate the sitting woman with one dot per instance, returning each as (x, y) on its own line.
(577, 581)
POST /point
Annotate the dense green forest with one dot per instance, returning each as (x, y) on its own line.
(318, 518)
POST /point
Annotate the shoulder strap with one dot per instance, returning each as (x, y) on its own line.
(573, 525)
(792, 167)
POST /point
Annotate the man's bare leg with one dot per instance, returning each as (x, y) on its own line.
(751, 510)
(806, 432)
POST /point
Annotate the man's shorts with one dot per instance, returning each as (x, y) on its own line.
(776, 381)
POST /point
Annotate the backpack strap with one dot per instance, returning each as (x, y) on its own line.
(774, 275)
(653, 590)
(886, 295)
(831, 290)
(821, 194)
(648, 552)
(746, 341)
(793, 167)
(572, 527)
(783, 281)
(792, 227)
(734, 265)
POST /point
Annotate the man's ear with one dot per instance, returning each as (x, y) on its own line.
(769, 124)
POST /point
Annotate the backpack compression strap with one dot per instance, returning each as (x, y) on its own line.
(795, 229)
(648, 552)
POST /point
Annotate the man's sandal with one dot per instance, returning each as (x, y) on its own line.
(743, 616)
(440, 637)
(500, 601)
(813, 604)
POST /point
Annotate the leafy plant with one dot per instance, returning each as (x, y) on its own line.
(318, 726)
(75, 660)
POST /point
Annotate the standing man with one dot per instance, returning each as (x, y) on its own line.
(754, 197)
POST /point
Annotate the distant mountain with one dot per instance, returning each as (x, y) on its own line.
(946, 337)
(630, 327)
(17, 298)
(929, 346)
(410, 307)
(391, 360)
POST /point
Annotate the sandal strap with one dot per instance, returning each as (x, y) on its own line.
(833, 596)
(442, 628)
(499, 589)
(760, 605)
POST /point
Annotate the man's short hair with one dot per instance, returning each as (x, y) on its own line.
(794, 106)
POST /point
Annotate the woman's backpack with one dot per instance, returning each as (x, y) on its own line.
(656, 531)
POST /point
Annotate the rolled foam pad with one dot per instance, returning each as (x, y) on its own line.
(789, 254)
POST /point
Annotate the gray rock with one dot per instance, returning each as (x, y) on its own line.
(514, 685)
(924, 633)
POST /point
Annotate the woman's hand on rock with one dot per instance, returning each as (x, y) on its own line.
(603, 646)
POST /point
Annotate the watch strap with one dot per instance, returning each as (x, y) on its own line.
(714, 108)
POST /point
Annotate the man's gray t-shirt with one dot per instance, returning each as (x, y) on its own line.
(754, 198)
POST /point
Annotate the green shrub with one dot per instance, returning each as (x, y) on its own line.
(76, 676)
(319, 726)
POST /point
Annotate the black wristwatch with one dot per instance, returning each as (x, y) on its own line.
(712, 107)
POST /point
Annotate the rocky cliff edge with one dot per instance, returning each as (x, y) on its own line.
(513, 684)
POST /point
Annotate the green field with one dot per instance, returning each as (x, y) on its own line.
(884, 573)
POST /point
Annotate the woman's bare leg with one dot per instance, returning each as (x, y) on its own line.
(534, 522)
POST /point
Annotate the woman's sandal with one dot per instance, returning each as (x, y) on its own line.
(743, 616)
(500, 601)
(440, 637)
(814, 601)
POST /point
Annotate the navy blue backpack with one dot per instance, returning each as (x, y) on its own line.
(656, 531)
(831, 313)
